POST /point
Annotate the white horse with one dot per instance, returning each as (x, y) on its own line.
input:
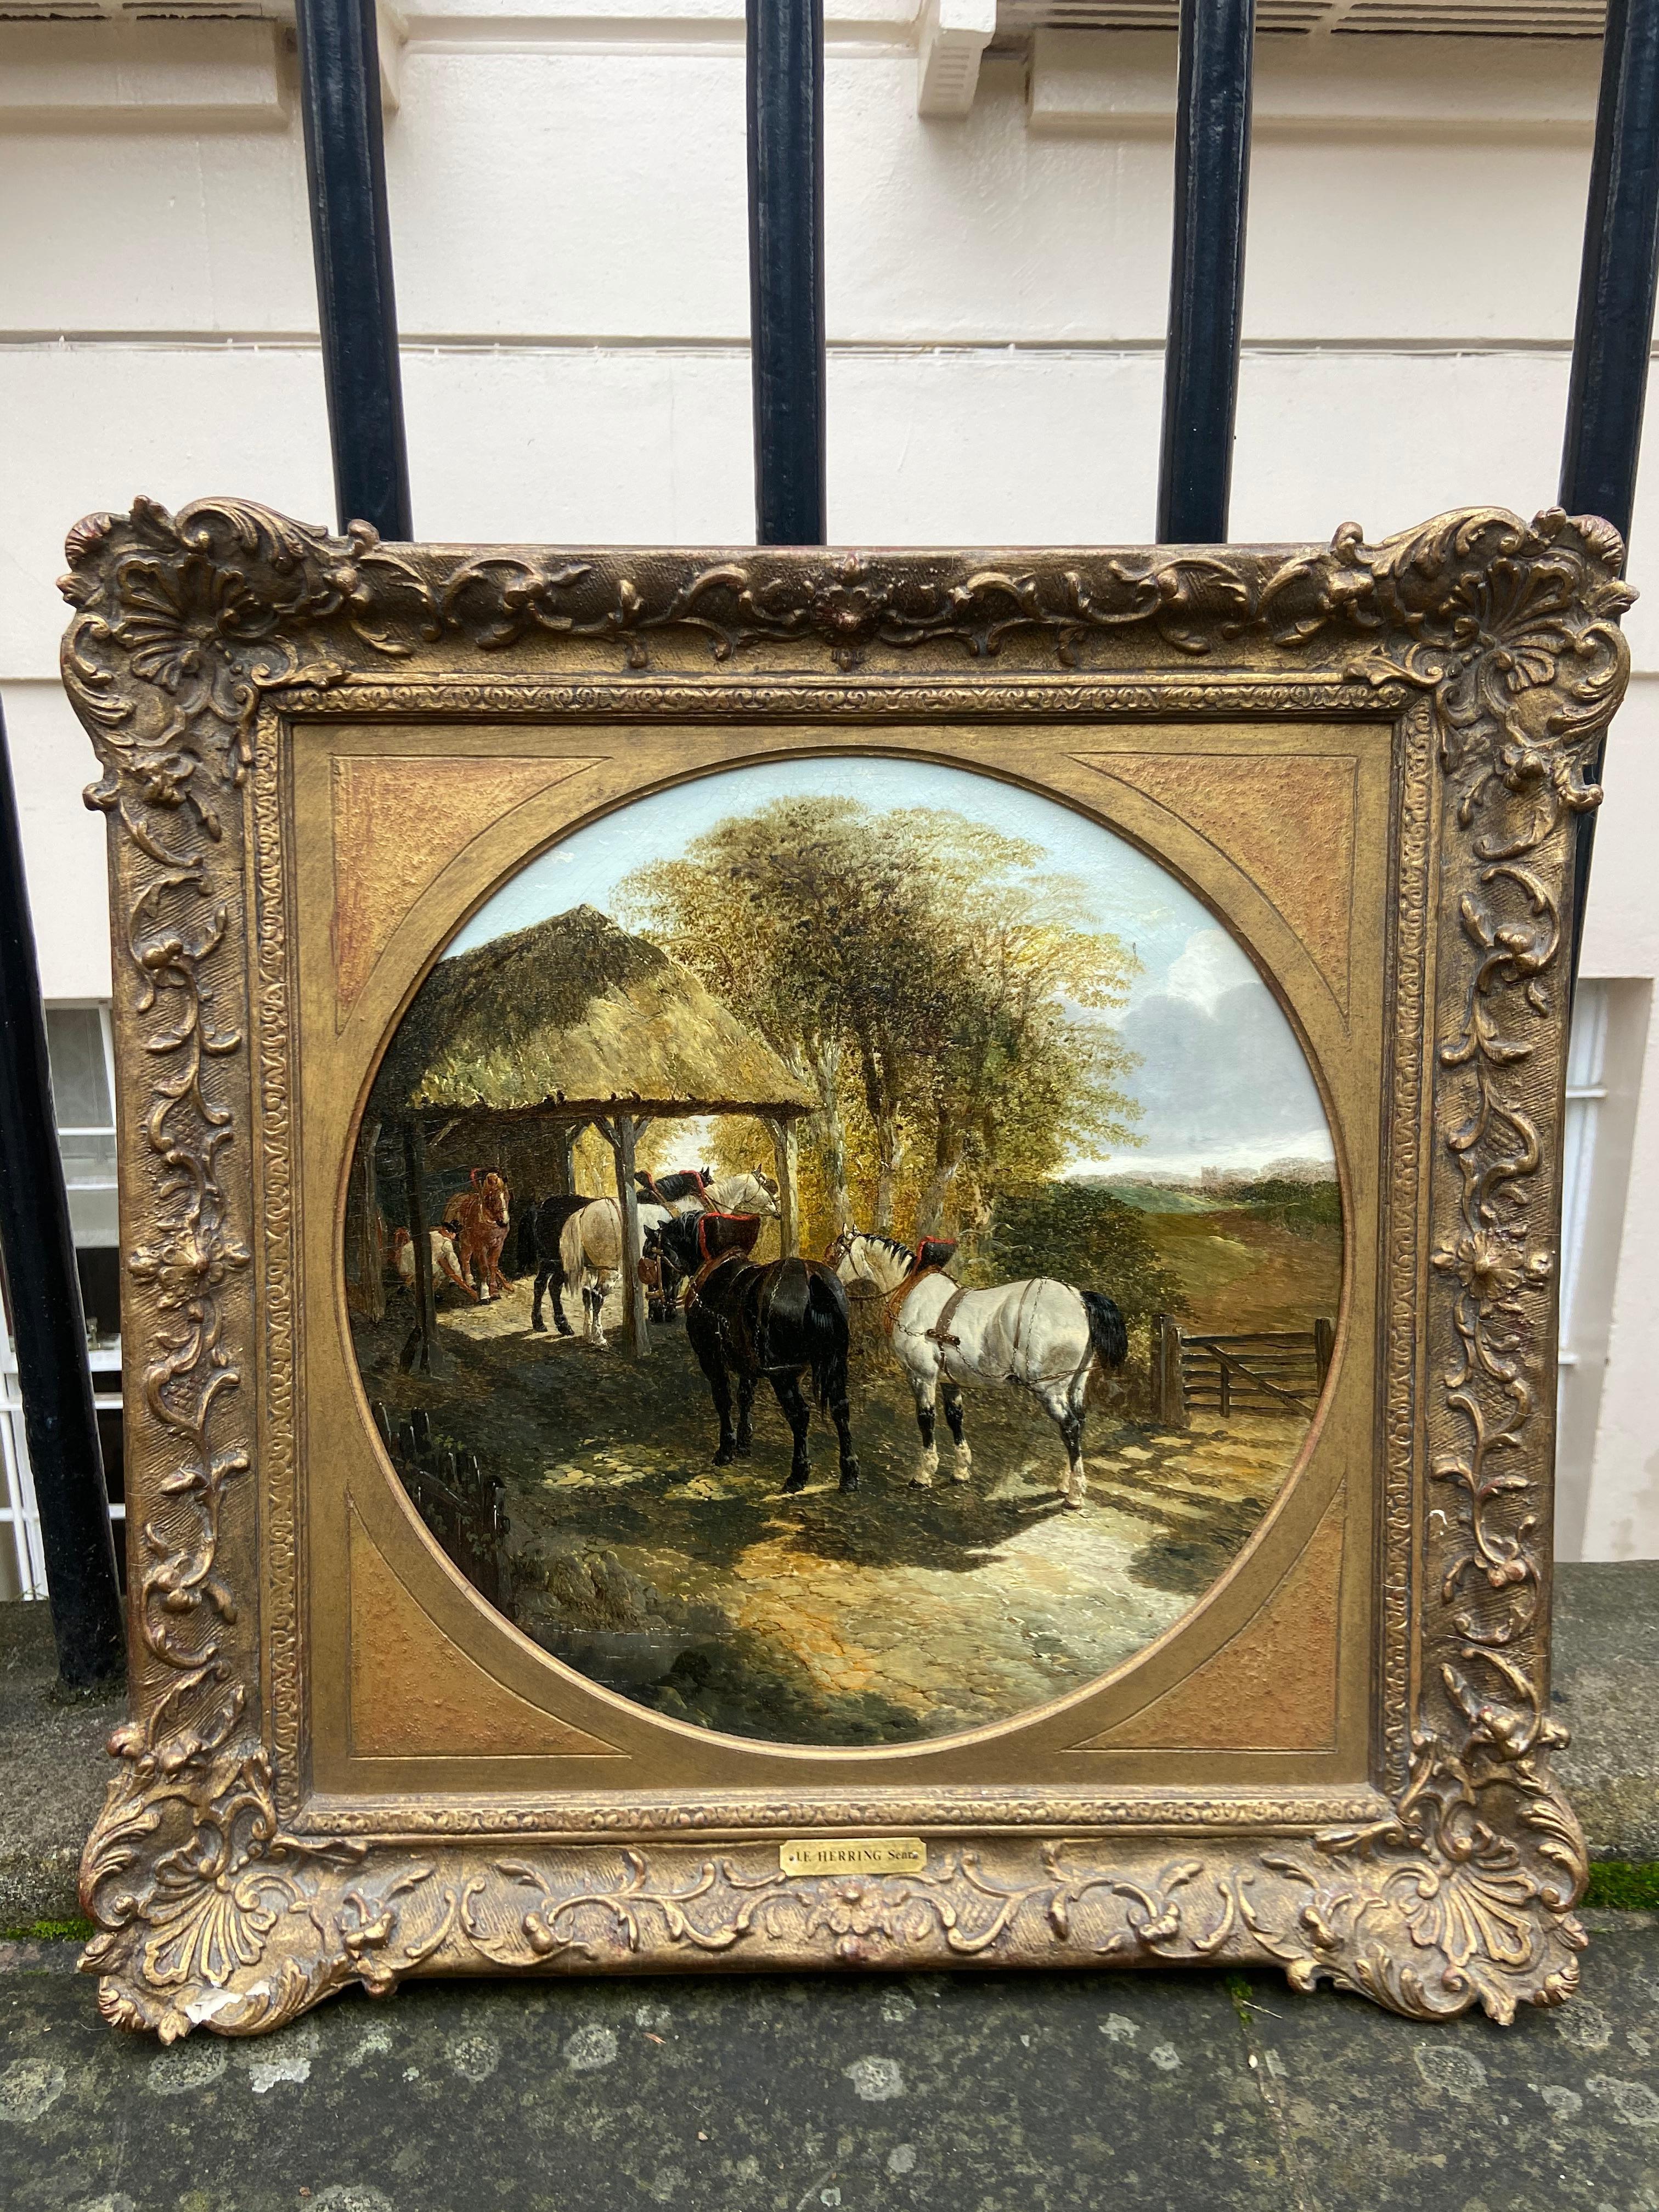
(747, 1191)
(590, 1242)
(1043, 1335)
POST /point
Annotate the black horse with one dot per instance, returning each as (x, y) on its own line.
(539, 1227)
(771, 1323)
(666, 1190)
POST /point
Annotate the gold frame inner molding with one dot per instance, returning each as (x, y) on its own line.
(343, 1765)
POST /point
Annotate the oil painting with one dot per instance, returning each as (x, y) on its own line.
(1004, 1075)
(842, 1252)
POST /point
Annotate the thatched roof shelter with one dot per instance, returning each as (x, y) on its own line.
(569, 1023)
(576, 1016)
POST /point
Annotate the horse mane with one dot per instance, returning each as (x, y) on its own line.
(896, 1245)
(681, 1184)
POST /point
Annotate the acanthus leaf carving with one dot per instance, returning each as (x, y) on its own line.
(186, 628)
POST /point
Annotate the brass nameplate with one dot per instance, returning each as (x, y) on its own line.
(855, 1855)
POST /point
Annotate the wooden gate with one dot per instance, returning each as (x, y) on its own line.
(1263, 1372)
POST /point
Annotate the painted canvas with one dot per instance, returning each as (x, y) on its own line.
(843, 1252)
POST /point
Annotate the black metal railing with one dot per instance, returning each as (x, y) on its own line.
(60, 1427)
(785, 86)
(357, 317)
(1206, 272)
(352, 237)
(1613, 341)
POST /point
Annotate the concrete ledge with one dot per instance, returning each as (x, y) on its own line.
(53, 1767)
(1606, 1691)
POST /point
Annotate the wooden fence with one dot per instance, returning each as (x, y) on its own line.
(459, 1503)
(1266, 1372)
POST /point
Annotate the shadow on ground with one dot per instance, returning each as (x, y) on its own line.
(886, 1615)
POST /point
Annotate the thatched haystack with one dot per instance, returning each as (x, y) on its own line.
(574, 1013)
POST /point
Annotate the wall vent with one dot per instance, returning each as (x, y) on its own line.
(1449, 19)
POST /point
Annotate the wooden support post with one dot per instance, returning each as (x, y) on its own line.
(565, 1167)
(782, 1128)
(420, 1352)
(367, 1294)
(623, 1133)
(1169, 1397)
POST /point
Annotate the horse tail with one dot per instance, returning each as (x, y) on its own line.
(827, 1332)
(572, 1256)
(1107, 1332)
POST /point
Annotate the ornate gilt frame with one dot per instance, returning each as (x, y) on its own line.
(226, 1891)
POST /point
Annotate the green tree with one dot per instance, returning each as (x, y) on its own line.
(1080, 1233)
(924, 974)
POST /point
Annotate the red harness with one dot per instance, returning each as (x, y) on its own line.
(712, 1259)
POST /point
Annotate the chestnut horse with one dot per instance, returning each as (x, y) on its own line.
(479, 1218)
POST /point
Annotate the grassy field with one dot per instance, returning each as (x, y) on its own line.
(1242, 1266)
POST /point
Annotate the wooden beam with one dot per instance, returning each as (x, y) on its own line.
(369, 1299)
(784, 1153)
(621, 1136)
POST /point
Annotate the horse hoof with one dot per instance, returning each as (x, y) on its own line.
(725, 1456)
(849, 1478)
(796, 1482)
(745, 1451)
(961, 1474)
(921, 1482)
(538, 1324)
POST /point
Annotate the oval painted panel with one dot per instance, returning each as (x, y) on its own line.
(843, 1252)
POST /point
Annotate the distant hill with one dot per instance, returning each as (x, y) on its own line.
(1150, 1192)
(1158, 1194)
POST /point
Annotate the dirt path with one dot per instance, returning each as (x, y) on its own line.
(882, 1616)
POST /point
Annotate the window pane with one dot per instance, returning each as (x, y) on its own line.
(88, 1161)
(93, 1219)
(100, 1286)
(80, 1082)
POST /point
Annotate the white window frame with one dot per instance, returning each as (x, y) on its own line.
(22, 1557)
(1604, 1066)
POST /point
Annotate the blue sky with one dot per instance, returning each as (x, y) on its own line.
(1212, 1098)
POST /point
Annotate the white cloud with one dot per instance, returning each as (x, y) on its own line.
(1207, 966)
